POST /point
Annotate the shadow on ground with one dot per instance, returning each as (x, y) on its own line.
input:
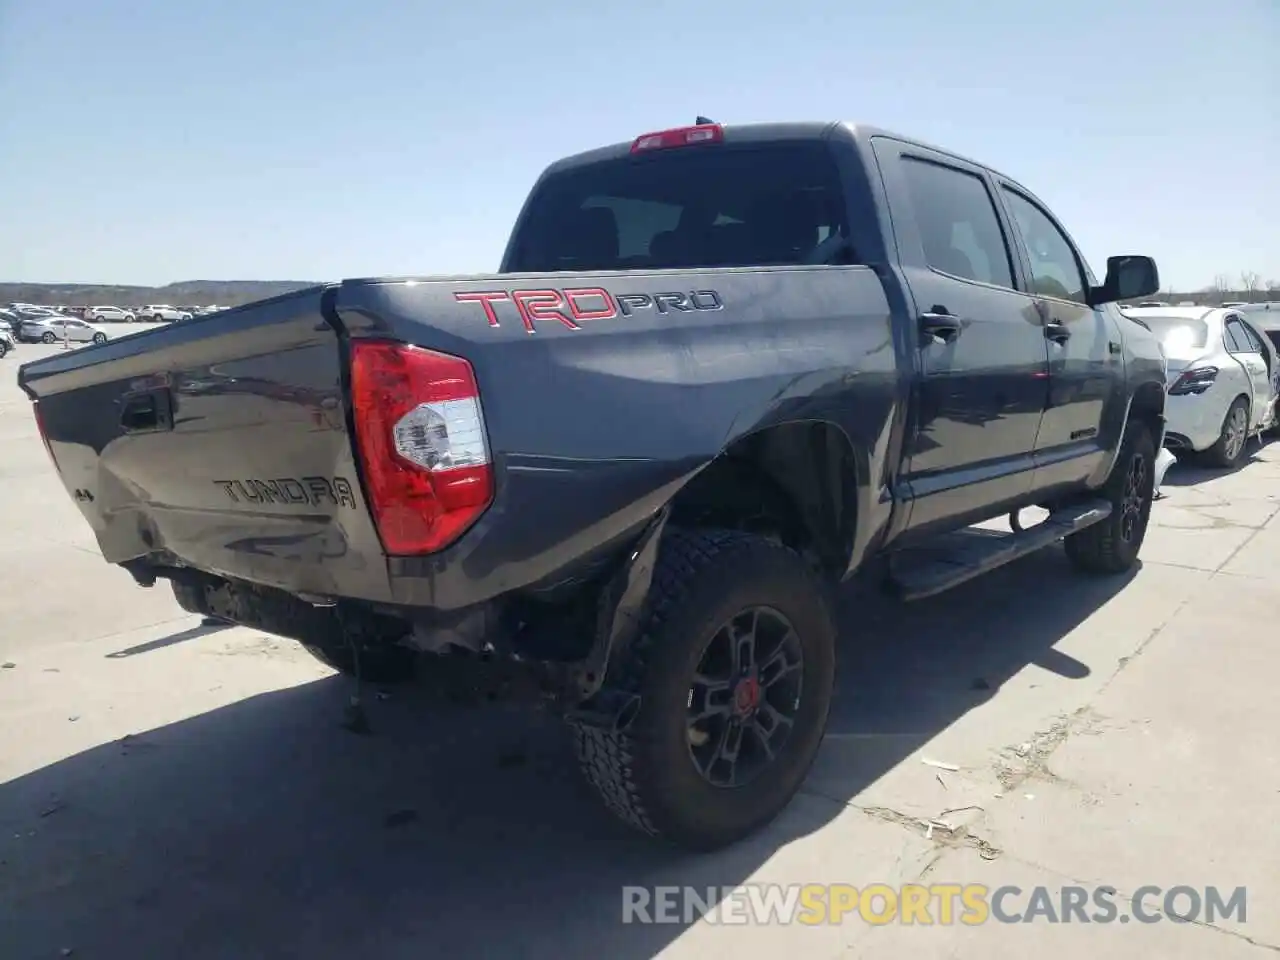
(1188, 471)
(182, 636)
(263, 830)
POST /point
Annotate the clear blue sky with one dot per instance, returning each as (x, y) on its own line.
(149, 141)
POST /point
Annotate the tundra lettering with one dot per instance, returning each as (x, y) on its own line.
(311, 491)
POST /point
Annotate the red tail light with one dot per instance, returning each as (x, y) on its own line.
(421, 436)
(680, 137)
(1196, 380)
(44, 434)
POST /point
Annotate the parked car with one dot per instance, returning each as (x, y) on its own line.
(9, 320)
(1223, 376)
(8, 342)
(54, 329)
(1265, 315)
(29, 310)
(109, 315)
(633, 463)
(156, 313)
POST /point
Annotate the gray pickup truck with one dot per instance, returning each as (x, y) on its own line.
(721, 370)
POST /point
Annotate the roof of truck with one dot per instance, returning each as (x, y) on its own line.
(766, 132)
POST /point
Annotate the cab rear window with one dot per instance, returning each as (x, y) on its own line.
(713, 206)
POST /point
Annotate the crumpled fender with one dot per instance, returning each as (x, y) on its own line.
(620, 619)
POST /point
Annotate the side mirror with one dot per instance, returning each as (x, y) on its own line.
(1128, 277)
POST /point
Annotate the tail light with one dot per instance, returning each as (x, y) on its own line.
(44, 434)
(421, 436)
(680, 137)
(1194, 381)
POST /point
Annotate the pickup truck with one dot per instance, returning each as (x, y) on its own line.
(721, 370)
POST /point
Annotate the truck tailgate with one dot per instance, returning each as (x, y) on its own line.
(220, 443)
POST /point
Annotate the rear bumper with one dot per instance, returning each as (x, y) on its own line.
(1192, 423)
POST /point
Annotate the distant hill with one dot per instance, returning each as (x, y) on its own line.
(224, 293)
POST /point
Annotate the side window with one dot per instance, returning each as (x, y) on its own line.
(1236, 340)
(1255, 343)
(959, 227)
(1055, 271)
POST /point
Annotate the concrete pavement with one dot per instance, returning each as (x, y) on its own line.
(173, 790)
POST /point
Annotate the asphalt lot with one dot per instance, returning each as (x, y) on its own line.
(168, 790)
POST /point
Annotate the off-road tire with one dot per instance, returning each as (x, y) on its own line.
(644, 772)
(1103, 549)
(1217, 455)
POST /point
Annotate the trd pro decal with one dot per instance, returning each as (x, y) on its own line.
(571, 306)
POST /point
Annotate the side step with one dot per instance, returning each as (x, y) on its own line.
(953, 558)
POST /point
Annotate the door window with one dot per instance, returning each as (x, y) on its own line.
(1236, 339)
(959, 227)
(1255, 343)
(1055, 269)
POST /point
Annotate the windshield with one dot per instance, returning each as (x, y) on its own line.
(1179, 334)
(690, 207)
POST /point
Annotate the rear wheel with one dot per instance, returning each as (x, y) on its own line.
(734, 670)
(1112, 546)
(1233, 439)
(4, 348)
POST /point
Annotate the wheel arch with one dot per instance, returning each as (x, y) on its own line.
(1148, 406)
(796, 480)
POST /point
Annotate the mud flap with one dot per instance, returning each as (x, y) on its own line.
(621, 617)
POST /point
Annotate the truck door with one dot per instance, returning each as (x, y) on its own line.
(1087, 391)
(983, 358)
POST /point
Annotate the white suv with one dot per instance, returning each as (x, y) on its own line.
(157, 313)
(109, 315)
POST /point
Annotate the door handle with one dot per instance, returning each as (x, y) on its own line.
(1057, 331)
(941, 326)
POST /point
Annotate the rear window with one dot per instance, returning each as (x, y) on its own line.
(718, 206)
(1179, 333)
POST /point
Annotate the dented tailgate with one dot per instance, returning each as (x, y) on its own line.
(220, 443)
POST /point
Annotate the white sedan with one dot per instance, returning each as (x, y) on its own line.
(54, 329)
(1222, 380)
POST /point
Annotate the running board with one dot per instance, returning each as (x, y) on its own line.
(953, 558)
